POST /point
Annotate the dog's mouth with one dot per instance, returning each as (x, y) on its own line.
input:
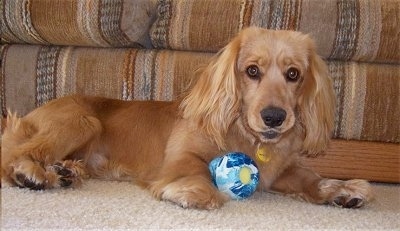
(270, 134)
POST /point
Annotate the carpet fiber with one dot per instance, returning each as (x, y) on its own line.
(121, 205)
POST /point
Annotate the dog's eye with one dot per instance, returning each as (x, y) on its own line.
(253, 72)
(292, 74)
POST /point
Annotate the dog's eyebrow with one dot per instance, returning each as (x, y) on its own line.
(253, 59)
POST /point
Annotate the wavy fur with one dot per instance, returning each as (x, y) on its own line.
(214, 101)
(317, 106)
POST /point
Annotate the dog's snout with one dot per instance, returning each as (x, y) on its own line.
(273, 116)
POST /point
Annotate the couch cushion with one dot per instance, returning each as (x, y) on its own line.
(367, 94)
(35, 74)
(105, 23)
(345, 30)
(368, 100)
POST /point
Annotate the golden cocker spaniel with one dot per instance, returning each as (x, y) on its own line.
(266, 90)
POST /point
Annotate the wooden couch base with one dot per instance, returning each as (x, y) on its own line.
(373, 161)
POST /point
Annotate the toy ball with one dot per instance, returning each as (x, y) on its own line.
(235, 174)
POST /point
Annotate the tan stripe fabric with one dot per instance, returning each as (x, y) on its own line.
(87, 22)
(323, 28)
(144, 68)
(204, 25)
(98, 71)
(46, 68)
(164, 75)
(382, 104)
(343, 30)
(185, 72)
(56, 24)
(217, 25)
(164, 81)
(367, 93)
(389, 48)
(16, 23)
(369, 27)
(368, 102)
(346, 36)
(106, 23)
(352, 96)
(129, 74)
(20, 78)
(64, 78)
(116, 73)
(3, 52)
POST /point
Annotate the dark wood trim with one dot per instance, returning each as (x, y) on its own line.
(373, 161)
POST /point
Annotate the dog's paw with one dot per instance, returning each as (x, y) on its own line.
(69, 173)
(30, 182)
(190, 192)
(30, 175)
(346, 194)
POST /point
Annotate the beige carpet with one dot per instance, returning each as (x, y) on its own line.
(101, 205)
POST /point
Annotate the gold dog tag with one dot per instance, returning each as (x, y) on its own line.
(263, 154)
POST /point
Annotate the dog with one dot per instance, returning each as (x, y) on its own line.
(265, 90)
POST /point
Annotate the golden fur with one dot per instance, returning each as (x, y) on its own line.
(166, 146)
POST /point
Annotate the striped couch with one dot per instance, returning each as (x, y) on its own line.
(148, 50)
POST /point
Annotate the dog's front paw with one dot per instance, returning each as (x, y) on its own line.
(190, 192)
(27, 174)
(346, 194)
(27, 181)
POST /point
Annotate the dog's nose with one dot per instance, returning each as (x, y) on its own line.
(273, 116)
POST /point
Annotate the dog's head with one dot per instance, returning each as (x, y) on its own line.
(272, 81)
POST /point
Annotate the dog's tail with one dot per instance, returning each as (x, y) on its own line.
(17, 128)
(16, 131)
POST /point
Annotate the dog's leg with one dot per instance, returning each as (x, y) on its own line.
(35, 160)
(304, 183)
(187, 182)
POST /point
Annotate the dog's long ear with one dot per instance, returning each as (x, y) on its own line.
(317, 105)
(214, 101)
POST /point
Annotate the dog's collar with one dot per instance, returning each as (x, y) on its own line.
(263, 154)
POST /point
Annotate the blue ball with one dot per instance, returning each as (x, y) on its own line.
(235, 174)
